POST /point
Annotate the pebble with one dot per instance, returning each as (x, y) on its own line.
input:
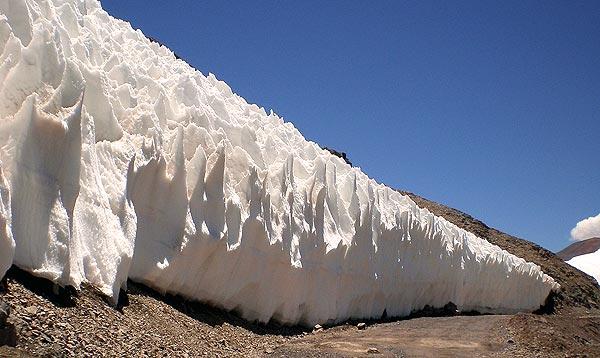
(32, 310)
(361, 325)
(372, 350)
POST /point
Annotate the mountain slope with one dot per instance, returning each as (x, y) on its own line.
(579, 248)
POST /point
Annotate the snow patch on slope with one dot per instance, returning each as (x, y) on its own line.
(588, 263)
(122, 161)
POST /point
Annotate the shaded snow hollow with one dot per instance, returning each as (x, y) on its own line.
(118, 160)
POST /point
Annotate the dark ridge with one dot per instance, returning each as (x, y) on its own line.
(580, 248)
(339, 154)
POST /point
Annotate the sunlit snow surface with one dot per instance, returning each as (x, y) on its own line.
(588, 263)
(120, 161)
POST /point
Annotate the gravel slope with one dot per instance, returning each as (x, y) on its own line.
(148, 325)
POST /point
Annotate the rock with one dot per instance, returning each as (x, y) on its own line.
(269, 351)
(46, 338)
(32, 310)
(8, 335)
(450, 309)
(317, 328)
(372, 350)
(339, 154)
(361, 326)
(4, 313)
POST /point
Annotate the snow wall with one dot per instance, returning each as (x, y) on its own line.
(119, 161)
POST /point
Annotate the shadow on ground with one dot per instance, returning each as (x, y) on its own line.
(205, 313)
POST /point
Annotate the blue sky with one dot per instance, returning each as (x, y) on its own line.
(486, 106)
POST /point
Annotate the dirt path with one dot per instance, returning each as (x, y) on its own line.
(463, 336)
(571, 333)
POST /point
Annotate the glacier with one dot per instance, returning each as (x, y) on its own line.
(120, 161)
(588, 263)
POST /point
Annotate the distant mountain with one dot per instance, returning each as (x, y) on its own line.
(580, 248)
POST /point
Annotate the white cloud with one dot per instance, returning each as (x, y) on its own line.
(586, 228)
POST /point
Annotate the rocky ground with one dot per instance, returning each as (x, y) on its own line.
(145, 325)
(55, 324)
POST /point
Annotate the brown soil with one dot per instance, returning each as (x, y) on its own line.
(148, 324)
(524, 335)
(465, 336)
(579, 248)
(576, 333)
